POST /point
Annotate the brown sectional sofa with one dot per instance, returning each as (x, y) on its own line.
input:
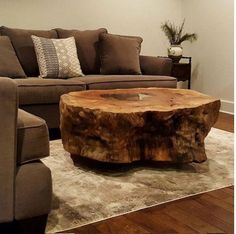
(25, 182)
(41, 96)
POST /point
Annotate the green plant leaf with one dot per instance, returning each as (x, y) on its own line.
(170, 31)
(174, 33)
(180, 31)
(188, 37)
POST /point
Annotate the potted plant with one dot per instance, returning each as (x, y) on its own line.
(176, 36)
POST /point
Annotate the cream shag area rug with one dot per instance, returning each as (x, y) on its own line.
(86, 192)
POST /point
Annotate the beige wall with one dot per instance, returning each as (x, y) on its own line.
(211, 19)
(133, 17)
(213, 53)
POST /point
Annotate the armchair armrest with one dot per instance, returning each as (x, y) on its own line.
(151, 65)
(8, 120)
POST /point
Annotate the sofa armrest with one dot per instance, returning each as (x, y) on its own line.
(151, 65)
(8, 121)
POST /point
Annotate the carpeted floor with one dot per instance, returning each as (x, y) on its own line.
(86, 192)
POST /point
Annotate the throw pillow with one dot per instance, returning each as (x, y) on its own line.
(87, 47)
(57, 58)
(120, 54)
(9, 63)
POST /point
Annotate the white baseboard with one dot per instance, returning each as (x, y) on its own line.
(227, 106)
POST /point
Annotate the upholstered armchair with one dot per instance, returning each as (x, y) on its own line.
(25, 182)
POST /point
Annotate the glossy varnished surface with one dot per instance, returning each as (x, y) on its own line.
(137, 100)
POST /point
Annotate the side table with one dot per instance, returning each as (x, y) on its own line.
(182, 70)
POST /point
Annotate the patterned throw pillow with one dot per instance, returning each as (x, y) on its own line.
(57, 58)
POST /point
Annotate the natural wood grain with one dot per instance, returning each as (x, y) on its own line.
(216, 201)
(219, 212)
(222, 194)
(229, 200)
(122, 126)
(166, 219)
(149, 223)
(191, 206)
(158, 221)
(225, 122)
(123, 225)
(196, 223)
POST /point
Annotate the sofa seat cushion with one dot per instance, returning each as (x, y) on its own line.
(32, 137)
(45, 91)
(127, 81)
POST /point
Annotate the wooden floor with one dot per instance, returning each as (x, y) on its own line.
(210, 212)
(225, 122)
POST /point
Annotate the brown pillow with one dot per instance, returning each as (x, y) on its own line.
(120, 54)
(87, 47)
(23, 45)
(9, 63)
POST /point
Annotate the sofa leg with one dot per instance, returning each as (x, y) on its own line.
(7, 227)
(34, 225)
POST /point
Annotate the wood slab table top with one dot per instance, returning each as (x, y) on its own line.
(126, 125)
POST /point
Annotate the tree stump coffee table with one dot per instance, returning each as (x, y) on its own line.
(126, 125)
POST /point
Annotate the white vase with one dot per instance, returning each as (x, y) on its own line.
(175, 52)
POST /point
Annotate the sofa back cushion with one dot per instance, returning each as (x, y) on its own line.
(153, 65)
(87, 47)
(9, 63)
(23, 45)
